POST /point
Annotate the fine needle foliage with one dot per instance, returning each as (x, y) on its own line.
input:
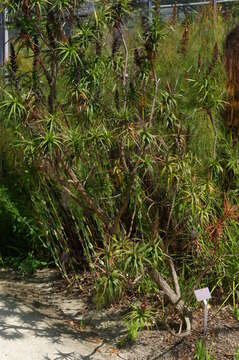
(121, 137)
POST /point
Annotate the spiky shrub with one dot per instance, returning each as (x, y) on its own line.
(140, 316)
(125, 143)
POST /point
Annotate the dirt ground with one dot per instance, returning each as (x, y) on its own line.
(100, 333)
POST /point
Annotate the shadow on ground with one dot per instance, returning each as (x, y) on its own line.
(34, 322)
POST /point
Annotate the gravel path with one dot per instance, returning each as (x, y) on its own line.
(33, 325)
(39, 320)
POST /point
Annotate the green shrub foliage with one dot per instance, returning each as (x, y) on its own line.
(121, 131)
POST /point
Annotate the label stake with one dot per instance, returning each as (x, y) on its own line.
(203, 295)
(205, 318)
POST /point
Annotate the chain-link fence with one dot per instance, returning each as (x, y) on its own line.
(184, 7)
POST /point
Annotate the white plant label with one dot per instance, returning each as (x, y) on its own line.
(203, 295)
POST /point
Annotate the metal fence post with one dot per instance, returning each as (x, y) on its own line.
(6, 37)
(150, 8)
(4, 52)
(2, 38)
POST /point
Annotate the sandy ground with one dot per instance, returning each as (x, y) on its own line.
(33, 325)
(41, 320)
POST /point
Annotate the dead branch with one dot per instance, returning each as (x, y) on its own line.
(125, 73)
(90, 203)
(173, 296)
(209, 112)
(156, 85)
(122, 154)
(175, 277)
(115, 227)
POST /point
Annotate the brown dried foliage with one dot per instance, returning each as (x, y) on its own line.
(199, 62)
(199, 13)
(231, 57)
(157, 7)
(227, 15)
(214, 59)
(117, 39)
(185, 38)
(175, 13)
(217, 229)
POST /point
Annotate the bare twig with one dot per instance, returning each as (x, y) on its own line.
(122, 154)
(125, 73)
(115, 227)
(175, 277)
(209, 112)
(131, 224)
(89, 203)
(171, 211)
(156, 85)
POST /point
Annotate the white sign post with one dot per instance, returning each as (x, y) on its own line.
(203, 295)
